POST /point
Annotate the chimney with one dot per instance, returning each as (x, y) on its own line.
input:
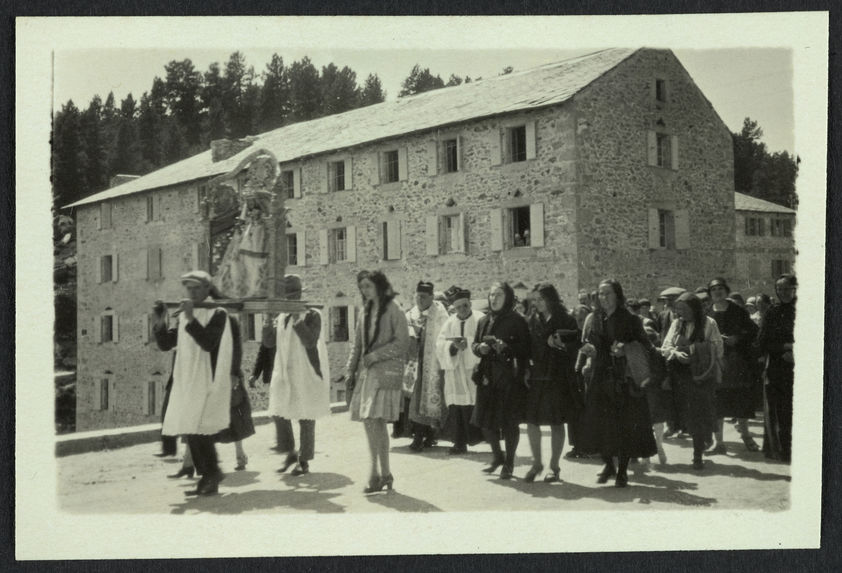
(222, 149)
(119, 179)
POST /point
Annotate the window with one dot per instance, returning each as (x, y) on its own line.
(340, 395)
(106, 266)
(149, 321)
(154, 263)
(664, 151)
(666, 229)
(292, 249)
(105, 215)
(451, 155)
(780, 228)
(151, 398)
(106, 328)
(339, 323)
(755, 226)
(150, 208)
(661, 90)
(780, 267)
(337, 245)
(516, 144)
(336, 175)
(287, 183)
(452, 234)
(391, 231)
(391, 163)
(516, 227)
(104, 387)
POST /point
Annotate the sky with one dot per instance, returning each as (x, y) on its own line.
(739, 82)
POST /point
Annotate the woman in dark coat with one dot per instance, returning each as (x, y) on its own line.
(554, 337)
(735, 397)
(502, 343)
(616, 420)
(694, 399)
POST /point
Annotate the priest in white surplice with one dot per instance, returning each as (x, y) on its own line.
(453, 349)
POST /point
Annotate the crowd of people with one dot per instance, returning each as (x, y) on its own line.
(610, 376)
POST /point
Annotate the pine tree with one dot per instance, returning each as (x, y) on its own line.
(94, 146)
(182, 96)
(305, 95)
(68, 158)
(372, 91)
(339, 89)
(274, 97)
(150, 135)
(420, 80)
(127, 157)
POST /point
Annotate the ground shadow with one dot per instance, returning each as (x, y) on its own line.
(401, 502)
(317, 480)
(635, 492)
(240, 478)
(235, 503)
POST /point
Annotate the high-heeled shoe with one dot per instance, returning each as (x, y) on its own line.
(374, 485)
(607, 473)
(290, 460)
(183, 472)
(300, 469)
(495, 463)
(532, 473)
(388, 482)
(552, 476)
(241, 463)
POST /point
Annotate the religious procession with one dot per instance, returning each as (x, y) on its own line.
(611, 377)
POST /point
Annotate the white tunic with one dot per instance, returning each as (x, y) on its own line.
(459, 389)
(296, 391)
(200, 399)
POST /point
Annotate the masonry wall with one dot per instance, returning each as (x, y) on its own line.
(755, 254)
(618, 187)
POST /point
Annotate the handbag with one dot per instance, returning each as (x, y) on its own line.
(704, 365)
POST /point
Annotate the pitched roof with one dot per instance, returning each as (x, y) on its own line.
(536, 87)
(743, 202)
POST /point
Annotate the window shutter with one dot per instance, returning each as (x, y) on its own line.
(324, 177)
(147, 335)
(434, 150)
(402, 164)
(536, 224)
(145, 401)
(323, 258)
(300, 252)
(158, 213)
(495, 145)
(349, 177)
(115, 328)
(674, 151)
(651, 148)
(463, 233)
(115, 267)
(296, 182)
(496, 229)
(531, 139)
(654, 229)
(653, 89)
(682, 229)
(432, 235)
(761, 226)
(101, 269)
(381, 168)
(98, 329)
(195, 256)
(112, 394)
(459, 153)
(351, 244)
(197, 200)
(99, 219)
(352, 322)
(393, 242)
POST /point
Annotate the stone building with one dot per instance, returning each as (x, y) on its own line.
(765, 248)
(611, 164)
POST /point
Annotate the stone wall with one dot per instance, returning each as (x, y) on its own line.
(755, 254)
(618, 186)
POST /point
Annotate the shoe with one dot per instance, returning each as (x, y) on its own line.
(300, 469)
(698, 464)
(532, 473)
(456, 450)
(211, 486)
(374, 485)
(622, 480)
(417, 444)
(607, 473)
(291, 460)
(714, 450)
(495, 463)
(670, 433)
(506, 472)
(751, 445)
(241, 463)
(552, 476)
(572, 454)
(387, 482)
(430, 443)
(682, 435)
(183, 472)
(662, 458)
(163, 454)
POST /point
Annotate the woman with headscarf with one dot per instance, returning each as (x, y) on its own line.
(502, 344)
(554, 343)
(735, 397)
(693, 336)
(374, 372)
(616, 420)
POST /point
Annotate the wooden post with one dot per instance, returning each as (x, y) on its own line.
(276, 265)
